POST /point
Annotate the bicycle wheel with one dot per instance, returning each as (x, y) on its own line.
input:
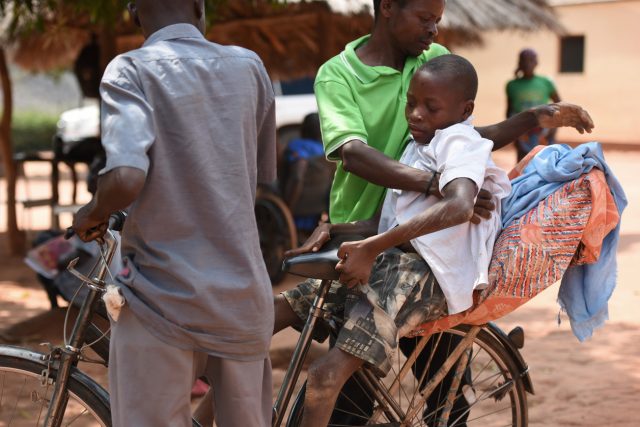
(275, 235)
(491, 393)
(24, 399)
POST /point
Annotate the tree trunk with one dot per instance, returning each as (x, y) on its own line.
(16, 238)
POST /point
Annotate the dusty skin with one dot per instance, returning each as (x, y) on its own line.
(596, 383)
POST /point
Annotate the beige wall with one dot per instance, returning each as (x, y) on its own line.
(609, 88)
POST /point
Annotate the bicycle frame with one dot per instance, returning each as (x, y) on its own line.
(299, 354)
(68, 356)
(381, 395)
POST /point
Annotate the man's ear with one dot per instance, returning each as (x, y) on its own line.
(468, 109)
(198, 6)
(133, 11)
(385, 8)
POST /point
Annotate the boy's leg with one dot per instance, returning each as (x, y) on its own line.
(325, 379)
(149, 380)
(284, 314)
(241, 392)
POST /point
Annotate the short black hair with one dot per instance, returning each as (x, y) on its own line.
(460, 71)
(376, 7)
(310, 128)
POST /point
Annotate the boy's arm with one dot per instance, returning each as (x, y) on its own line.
(456, 207)
(547, 116)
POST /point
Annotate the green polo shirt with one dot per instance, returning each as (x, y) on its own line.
(526, 93)
(358, 101)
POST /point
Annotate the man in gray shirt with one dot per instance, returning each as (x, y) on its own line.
(189, 130)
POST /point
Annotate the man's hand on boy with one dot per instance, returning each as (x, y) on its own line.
(484, 204)
(320, 236)
(356, 261)
(483, 207)
(563, 114)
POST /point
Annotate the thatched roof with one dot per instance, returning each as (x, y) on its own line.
(296, 36)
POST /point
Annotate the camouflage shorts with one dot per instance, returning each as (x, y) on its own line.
(402, 293)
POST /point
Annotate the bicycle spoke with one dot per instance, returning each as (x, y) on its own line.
(15, 407)
(42, 406)
(363, 414)
(73, 420)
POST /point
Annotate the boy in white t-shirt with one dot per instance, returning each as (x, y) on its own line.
(390, 289)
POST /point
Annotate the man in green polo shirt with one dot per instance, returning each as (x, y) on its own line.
(363, 104)
(361, 96)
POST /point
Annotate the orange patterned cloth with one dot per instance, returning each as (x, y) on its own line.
(535, 250)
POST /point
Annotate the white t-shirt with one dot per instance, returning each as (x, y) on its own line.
(459, 256)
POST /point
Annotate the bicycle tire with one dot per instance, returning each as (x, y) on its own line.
(275, 238)
(513, 388)
(24, 397)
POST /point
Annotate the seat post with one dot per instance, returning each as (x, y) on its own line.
(299, 354)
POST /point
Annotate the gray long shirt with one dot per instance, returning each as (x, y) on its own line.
(199, 119)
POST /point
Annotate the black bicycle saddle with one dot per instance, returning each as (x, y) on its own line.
(319, 265)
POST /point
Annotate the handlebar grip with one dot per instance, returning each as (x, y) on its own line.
(116, 222)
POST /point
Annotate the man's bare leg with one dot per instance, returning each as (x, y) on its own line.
(325, 379)
(283, 318)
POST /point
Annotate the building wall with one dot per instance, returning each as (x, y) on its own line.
(609, 88)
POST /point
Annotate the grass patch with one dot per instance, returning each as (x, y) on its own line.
(32, 131)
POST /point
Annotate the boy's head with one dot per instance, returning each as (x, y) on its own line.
(441, 93)
(410, 25)
(152, 15)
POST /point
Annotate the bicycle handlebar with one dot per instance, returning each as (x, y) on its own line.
(116, 222)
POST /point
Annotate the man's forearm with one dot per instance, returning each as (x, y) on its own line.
(117, 189)
(509, 130)
(364, 228)
(375, 167)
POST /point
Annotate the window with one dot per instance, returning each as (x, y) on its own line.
(572, 54)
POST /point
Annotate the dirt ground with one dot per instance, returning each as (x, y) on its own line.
(596, 383)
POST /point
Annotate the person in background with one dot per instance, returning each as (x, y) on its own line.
(526, 91)
(307, 178)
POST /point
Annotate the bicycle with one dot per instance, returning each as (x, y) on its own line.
(495, 391)
(50, 388)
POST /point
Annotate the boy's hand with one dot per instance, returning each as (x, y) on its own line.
(356, 261)
(483, 207)
(320, 236)
(86, 226)
(562, 114)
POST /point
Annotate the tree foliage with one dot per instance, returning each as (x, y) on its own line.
(24, 16)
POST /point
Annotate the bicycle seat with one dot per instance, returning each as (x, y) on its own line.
(319, 265)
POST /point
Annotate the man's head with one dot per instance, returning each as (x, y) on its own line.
(527, 63)
(441, 93)
(152, 15)
(410, 25)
